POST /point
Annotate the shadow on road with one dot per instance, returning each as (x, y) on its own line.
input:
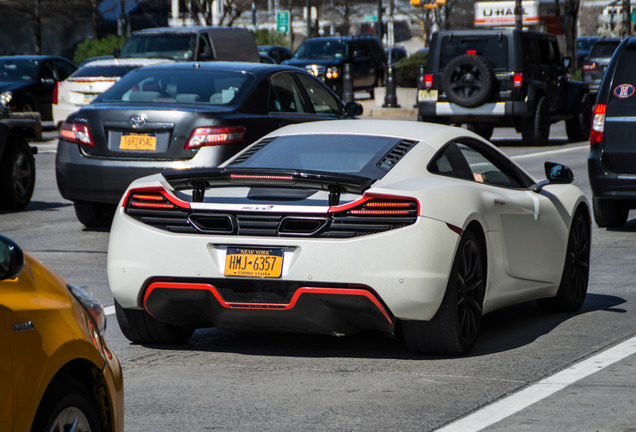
(502, 330)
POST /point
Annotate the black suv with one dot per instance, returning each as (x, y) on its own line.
(612, 160)
(325, 58)
(488, 78)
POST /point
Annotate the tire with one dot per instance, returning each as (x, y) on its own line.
(573, 287)
(93, 214)
(67, 401)
(609, 213)
(468, 80)
(578, 127)
(484, 130)
(140, 327)
(535, 128)
(455, 327)
(17, 175)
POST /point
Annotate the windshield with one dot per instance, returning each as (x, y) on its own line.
(18, 70)
(345, 154)
(320, 49)
(192, 86)
(172, 46)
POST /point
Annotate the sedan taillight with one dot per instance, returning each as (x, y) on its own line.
(76, 133)
(55, 92)
(598, 124)
(590, 67)
(215, 135)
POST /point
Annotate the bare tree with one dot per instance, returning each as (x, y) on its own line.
(201, 11)
(571, 12)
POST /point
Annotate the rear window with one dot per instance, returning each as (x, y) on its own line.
(191, 86)
(171, 46)
(493, 48)
(346, 154)
(623, 90)
(103, 71)
(604, 49)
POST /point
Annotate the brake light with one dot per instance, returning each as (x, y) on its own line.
(590, 67)
(471, 52)
(428, 81)
(215, 135)
(76, 133)
(381, 206)
(517, 80)
(598, 124)
(55, 92)
(152, 198)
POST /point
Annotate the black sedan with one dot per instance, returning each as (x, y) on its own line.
(32, 80)
(183, 115)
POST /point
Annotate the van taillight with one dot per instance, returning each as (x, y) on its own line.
(76, 133)
(598, 124)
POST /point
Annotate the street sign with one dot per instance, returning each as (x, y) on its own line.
(282, 22)
(370, 18)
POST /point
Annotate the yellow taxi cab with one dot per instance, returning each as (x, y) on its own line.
(56, 371)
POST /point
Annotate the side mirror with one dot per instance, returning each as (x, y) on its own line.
(116, 52)
(48, 81)
(11, 259)
(567, 62)
(555, 173)
(353, 109)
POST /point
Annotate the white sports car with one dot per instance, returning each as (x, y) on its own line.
(342, 226)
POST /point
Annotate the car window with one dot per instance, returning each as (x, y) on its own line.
(493, 48)
(284, 95)
(46, 69)
(604, 49)
(172, 46)
(64, 69)
(205, 51)
(317, 49)
(17, 70)
(322, 101)
(182, 86)
(469, 161)
(530, 50)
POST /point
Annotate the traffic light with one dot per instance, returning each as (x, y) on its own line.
(416, 2)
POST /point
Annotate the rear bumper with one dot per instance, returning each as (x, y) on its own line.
(498, 112)
(84, 178)
(605, 184)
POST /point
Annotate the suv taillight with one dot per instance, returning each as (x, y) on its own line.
(215, 135)
(590, 67)
(428, 81)
(55, 92)
(598, 124)
(76, 133)
(517, 80)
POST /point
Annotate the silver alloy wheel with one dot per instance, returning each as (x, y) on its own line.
(70, 419)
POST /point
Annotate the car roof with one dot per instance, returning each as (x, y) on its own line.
(225, 66)
(435, 135)
(184, 30)
(34, 57)
(126, 61)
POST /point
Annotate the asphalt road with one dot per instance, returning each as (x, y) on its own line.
(250, 381)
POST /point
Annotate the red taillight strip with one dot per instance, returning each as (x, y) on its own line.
(370, 196)
(598, 124)
(260, 177)
(268, 306)
(379, 212)
(157, 189)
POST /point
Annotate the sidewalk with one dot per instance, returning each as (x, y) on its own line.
(372, 110)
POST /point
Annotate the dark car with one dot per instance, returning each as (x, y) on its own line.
(179, 115)
(597, 60)
(612, 159)
(278, 53)
(503, 78)
(584, 45)
(325, 58)
(32, 80)
(395, 54)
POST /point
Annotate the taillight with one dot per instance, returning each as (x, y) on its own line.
(471, 52)
(428, 81)
(590, 67)
(215, 135)
(76, 133)
(405, 207)
(517, 80)
(55, 92)
(598, 124)
(152, 199)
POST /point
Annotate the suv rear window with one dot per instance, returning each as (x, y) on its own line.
(493, 48)
(623, 91)
(603, 49)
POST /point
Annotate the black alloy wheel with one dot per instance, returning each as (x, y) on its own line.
(468, 80)
(535, 128)
(576, 270)
(455, 327)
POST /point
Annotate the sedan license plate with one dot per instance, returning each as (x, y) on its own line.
(427, 96)
(253, 262)
(143, 142)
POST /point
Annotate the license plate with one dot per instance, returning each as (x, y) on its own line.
(427, 96)
(253, 262)
(143, 142)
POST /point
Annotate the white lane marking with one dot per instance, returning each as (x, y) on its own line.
(516, 402)
(549, 152)
(109, 310)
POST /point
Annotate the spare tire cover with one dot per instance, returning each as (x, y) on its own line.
(468, 80)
